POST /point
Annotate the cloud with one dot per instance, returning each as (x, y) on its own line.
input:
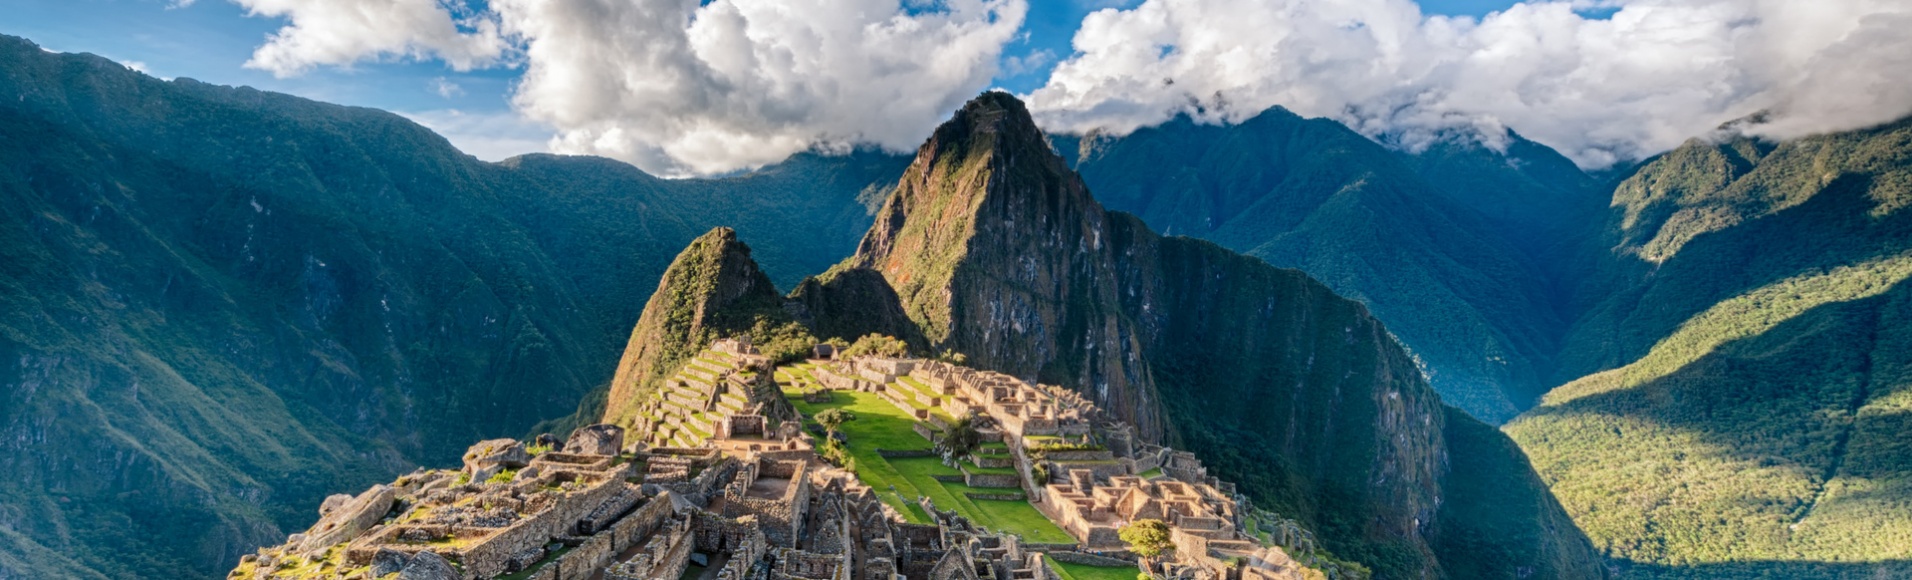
(1016, 66)
(491, 136)
(1653, 74)
(343, 32)
(445, 88)
(678, 88)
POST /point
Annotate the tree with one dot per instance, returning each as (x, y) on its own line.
(1147, 538)
(960, 439)
(833, 419)
(877, 345)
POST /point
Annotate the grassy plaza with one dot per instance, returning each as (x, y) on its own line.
(880, 425)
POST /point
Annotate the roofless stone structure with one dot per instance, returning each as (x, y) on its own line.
(719, 480)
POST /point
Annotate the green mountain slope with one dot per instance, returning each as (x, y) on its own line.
(996, 250)
(1744, 404)
(1454, 248)
(218, 305)
(714, 289)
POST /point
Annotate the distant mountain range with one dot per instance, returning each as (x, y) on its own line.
(222, 304)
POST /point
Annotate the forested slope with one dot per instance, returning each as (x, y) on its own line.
(218, 305)
(1746, 393)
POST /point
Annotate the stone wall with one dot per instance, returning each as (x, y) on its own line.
(992, 480)
(800, 564)
(586, 559)
(654, 515)
(1102, 470)
(1079, 455)
(665, 555)
(1088, 559)
(778, 519)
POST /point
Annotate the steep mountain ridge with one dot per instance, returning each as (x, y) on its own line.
(712, 290)
(1737, 391)
(221, 304)
(1450, 246)
(997, 252)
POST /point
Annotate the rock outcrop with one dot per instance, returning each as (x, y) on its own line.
(343, 516)
(599, 439)
(487, 458)
(997, 251)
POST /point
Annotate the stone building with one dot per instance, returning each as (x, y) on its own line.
(706, 488)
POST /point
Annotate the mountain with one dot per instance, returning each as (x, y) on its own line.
(712, 290)
(1739, 394)
(1721, 321)
(996, 251)
(1456, 247)
(218, 305)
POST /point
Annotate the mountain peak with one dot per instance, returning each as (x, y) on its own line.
(986, 181)
(712, 290)
(994, 115)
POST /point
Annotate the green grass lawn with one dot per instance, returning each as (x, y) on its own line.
(1086, 572)
(1150, 473)
(880, 425)
(910, 387)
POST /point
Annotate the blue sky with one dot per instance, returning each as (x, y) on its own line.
(210, 40)
(743, 83)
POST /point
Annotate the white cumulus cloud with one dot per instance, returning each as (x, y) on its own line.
(1600, 90)
(677, 88)
(342, 32)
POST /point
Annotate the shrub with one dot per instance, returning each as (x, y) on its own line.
(1146, 537)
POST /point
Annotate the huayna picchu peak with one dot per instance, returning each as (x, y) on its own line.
(1054, 380)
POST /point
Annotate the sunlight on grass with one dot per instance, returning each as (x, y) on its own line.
(880, 425)
(1746, 315)
(1070, 571)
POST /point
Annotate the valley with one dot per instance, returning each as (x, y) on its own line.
(1468, 358)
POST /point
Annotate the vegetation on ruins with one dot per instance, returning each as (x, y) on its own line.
(832, 421)
(960, 439)
(877, 345)
(1148, 538)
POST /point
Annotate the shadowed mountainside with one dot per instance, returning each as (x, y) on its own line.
(221, 304)
(1454, 247)
(1744, 396)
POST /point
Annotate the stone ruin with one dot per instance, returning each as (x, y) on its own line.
(721, 394)
(572, 516)
(744, 501)
(1095, 467)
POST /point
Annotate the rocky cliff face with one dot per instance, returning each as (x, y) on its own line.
(1455, 247)
(997, 251)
